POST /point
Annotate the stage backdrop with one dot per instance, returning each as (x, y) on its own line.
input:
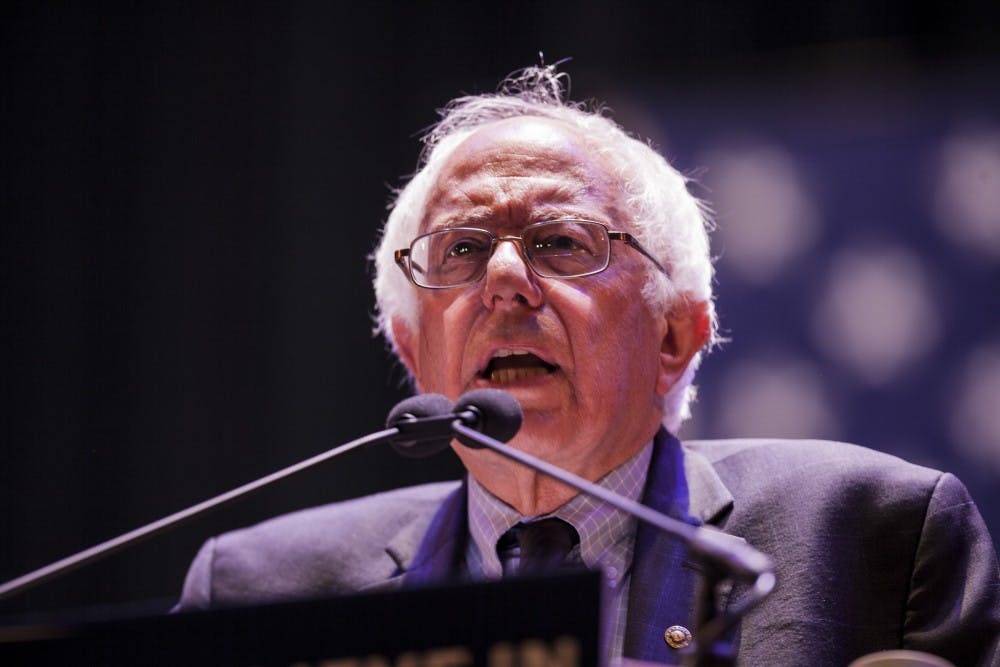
(189, 196)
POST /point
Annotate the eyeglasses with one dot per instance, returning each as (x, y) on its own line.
(563, 248)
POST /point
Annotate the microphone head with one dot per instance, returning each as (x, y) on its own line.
(418, 407)
(498, 414)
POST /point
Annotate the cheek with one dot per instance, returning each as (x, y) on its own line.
(597, 327)
(443, 322)
(622, 348)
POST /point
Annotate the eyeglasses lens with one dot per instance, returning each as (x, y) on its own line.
(561, 248)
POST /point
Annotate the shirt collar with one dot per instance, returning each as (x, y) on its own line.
(606, 533)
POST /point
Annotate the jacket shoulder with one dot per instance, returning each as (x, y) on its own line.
(376, 515)
(778, 461)
(863, 538)
(784, 490)
(326, 550)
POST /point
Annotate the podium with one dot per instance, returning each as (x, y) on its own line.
(531, 622)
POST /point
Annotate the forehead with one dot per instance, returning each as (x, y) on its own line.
(518, 170)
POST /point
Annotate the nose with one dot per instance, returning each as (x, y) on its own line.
(509, 280)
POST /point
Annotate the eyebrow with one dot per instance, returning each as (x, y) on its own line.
(555, 200)
(486, 218)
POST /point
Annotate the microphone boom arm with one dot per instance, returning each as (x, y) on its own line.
(724, 559)
(109, 547)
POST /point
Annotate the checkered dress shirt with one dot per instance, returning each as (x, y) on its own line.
(607, 538)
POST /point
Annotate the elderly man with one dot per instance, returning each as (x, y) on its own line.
(543, 251)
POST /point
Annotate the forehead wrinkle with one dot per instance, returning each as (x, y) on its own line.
(500, 203)
(505, 163)
(524, 178)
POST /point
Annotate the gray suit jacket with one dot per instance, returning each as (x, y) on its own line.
(871, 552)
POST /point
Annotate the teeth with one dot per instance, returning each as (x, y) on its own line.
(507, 353)
(505, 375)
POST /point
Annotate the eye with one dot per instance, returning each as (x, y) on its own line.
(558, 243)
(566, 238)
(466, 247)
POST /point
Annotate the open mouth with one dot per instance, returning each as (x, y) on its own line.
(509, 366)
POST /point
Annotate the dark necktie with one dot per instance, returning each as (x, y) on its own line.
(544, 544)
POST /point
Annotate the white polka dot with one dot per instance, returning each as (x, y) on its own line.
(876, 315)
(975, 418)
(782, 398)
(967, 192)
(765, 216)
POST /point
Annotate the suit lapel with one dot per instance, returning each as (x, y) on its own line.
(433, 554)
(683, 485)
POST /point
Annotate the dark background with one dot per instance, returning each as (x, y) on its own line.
(189, 193)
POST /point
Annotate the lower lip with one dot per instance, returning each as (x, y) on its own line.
(527, 381)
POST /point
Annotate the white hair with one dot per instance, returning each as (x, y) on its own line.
(663, 215)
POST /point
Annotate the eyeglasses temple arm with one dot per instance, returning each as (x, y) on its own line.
(630, 240)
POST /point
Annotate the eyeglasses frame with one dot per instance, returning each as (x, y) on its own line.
(403, 255)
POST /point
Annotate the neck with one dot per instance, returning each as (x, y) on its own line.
(529, 492)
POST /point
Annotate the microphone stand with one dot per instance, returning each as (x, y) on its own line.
(723, 559)
(117, 543)
(415, 427)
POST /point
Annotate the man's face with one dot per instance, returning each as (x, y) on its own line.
(583, 356)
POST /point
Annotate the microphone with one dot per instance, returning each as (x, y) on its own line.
(493, 412)
(426, 422)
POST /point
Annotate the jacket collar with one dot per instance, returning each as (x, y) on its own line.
(683, 485)
(427, 554)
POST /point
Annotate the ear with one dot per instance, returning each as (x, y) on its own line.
(406, 343)
(688, 326)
